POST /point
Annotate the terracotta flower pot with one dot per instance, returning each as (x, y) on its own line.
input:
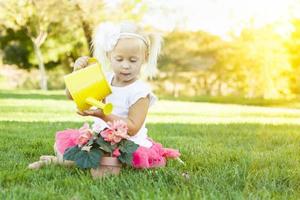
(108, 166)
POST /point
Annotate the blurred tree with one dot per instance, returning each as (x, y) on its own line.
(89, 13)
(57, 30)
(197, 52)
(16, 47)
(263, 61)
(37, 19)
(128, 10)
(293, 46)
(254, 64)
(93, 12)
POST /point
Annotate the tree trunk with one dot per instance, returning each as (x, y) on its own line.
(220, 88)
(175, 93)
(87, 33)
(87, 30)
(43, 76)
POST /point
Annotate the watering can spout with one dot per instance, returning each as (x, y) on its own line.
(88, 87)
(106, 108)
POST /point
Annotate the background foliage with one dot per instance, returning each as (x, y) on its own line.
(39, 44)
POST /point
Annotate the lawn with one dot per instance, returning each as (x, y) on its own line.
(231, 151)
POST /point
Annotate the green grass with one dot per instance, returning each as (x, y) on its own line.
(294, 102)
(231, 152)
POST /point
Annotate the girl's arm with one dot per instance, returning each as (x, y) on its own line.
(136, 115)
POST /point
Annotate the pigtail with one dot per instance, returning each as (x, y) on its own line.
(155, 41)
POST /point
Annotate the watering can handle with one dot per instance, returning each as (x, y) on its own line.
(92, 60)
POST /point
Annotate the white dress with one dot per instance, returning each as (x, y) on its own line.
(124, 97)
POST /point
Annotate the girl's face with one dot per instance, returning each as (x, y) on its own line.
(126, 60)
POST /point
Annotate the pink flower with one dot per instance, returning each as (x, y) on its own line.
(84, 138)
(106, 133)
(116, 139)
(119, 126)
(116, 152)
(116, 132)
(109, 136)
(122, 135)
(85, 134)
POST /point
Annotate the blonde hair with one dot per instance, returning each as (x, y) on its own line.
(106, 36)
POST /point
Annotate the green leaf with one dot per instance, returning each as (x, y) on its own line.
(88, 159)
(90, 142)
(126, 158)
(128, 146)
(70, 153)
(106, 146)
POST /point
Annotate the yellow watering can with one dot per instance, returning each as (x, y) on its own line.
(88, 87)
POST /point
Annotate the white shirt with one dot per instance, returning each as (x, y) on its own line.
(124, 97)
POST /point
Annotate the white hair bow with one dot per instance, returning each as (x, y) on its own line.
(106, 36)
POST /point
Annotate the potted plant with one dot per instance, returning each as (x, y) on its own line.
(102, 149)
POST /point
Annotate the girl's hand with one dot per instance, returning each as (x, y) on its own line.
(80, 63)
(96, 113)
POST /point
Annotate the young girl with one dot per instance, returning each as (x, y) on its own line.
(126, 51)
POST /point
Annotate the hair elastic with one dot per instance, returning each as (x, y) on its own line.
(133, 35)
